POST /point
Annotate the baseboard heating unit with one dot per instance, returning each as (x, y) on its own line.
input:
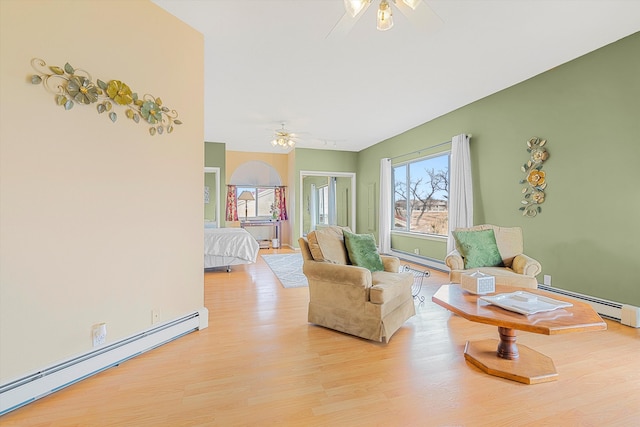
(431, 263)
(22, 391)
(623, 313)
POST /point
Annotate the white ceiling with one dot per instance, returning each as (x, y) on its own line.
(269, 62)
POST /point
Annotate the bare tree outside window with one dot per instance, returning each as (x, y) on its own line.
(421, 196)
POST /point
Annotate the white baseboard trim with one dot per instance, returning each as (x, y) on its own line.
(24, 390)
(427, 262)
(626, 314)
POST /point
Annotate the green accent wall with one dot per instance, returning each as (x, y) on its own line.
(589, 111)
(343, 201)
(210, 212)
(215, 157)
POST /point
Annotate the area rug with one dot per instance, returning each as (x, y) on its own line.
(287, 268)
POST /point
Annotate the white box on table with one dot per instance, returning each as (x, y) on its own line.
(478, 283)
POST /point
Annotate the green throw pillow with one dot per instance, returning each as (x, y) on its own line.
(478, 248)
(362, 251)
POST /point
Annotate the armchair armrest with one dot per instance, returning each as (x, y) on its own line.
(454, 260)
(337, 273)
(523, 264)
(391, 263)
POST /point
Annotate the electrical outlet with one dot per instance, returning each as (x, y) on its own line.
(99, 334)
(155, 316)
(416, 251)
(547, 279)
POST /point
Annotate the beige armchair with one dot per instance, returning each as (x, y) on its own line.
(352, 299)
(518, 269)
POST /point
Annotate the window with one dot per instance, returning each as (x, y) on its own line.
(421, 196)
(260, 206)
(323, 205)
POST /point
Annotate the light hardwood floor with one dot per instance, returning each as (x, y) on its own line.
(260, 363)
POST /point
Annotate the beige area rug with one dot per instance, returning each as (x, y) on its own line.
(287, 268)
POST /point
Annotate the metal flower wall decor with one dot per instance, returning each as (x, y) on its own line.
(72, 85)
(535, 182)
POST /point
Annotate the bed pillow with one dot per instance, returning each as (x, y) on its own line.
(478, 248)
(362, 251)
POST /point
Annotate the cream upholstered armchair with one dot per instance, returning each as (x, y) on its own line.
(501, 257)
(351, 298)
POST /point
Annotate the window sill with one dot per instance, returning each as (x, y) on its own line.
(431, 237)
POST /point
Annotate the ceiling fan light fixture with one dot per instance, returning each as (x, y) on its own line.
(385, 17)
(283, 139)
(354, 7)
(411, 3)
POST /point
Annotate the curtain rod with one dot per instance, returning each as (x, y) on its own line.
(424, 149)
(420, 150)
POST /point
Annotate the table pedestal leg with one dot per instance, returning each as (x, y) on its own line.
(507, 348)
(509, 361)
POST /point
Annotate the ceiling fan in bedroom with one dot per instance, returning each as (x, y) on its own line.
(416, 11)
(283, 138)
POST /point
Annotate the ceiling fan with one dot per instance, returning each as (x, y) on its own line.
(283, 138)
(417, 12)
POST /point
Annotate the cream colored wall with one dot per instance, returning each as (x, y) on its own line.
(99, 221)
(280, 162)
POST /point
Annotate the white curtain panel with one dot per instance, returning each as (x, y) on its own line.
(384, 227)
(313, 210)
(333, 216)
(461, 191)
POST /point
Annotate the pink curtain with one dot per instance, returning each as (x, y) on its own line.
(232, 204)
(281, 202)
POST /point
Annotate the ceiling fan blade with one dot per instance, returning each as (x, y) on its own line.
(345, 24)
(423, 18)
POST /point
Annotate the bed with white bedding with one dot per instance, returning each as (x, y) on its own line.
(224, 247)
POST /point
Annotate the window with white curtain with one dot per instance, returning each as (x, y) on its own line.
(421, 195)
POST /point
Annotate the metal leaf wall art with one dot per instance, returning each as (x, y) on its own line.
(72, 85)
(535, 182)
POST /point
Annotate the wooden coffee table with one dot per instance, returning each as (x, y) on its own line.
(504, 358)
